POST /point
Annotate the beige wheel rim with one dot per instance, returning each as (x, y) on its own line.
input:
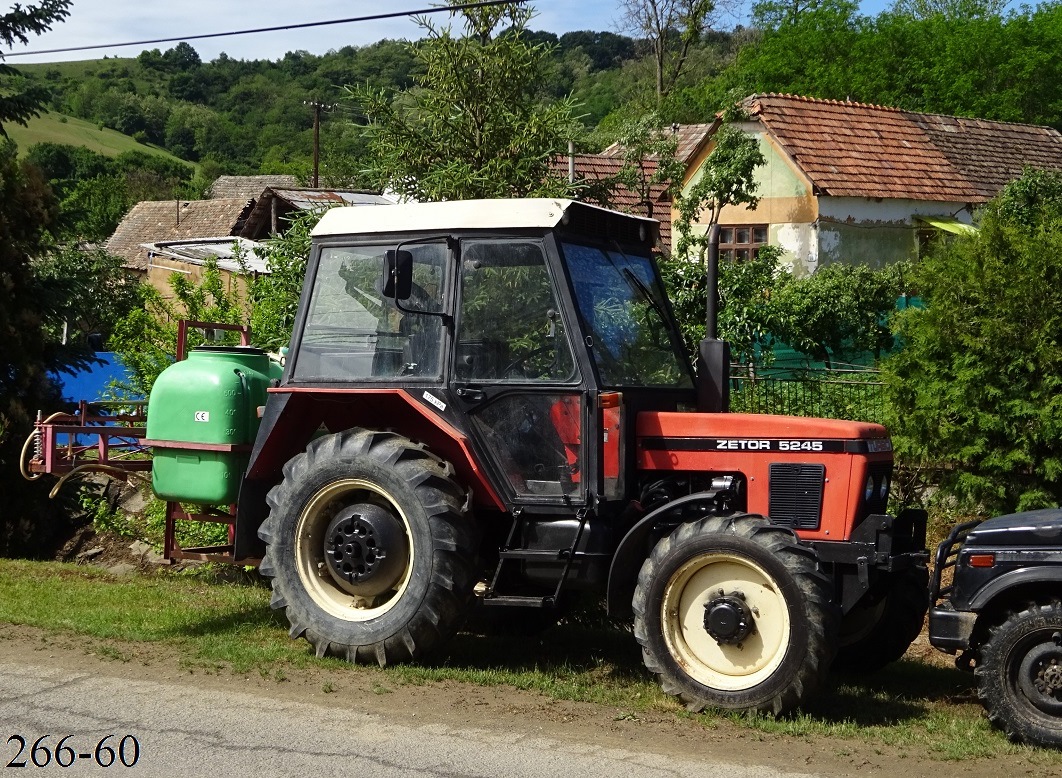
(310, 555)
(727, 667)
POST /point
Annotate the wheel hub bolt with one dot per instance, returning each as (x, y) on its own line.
(365, 549)
(1052, 677)
(728, 618)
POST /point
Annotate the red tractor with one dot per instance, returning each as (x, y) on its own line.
(487, 404)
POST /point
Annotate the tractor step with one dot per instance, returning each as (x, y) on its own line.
(553, 555)
(509, 553)
(526, 602)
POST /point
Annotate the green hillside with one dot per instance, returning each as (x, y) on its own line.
(58, 128)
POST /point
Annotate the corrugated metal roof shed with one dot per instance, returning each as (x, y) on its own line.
(274, 204)
(308, 199)
(227, 250)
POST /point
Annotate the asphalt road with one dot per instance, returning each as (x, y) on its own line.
(186, 732)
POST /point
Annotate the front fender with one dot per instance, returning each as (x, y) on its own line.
(1015, 578)
(634, 548)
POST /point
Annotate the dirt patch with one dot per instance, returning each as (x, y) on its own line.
(504, 709)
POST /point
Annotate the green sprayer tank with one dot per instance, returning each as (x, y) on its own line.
(202, 420)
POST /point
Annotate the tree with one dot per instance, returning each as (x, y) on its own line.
(472, 125)
(20, 101)
(275, 297)
(747, 320)
(181, 58)
(950, 9)
(806, 49)
(671, 27)
(77, 275)
(775, 14)
(839, 312)
(649, 159)
(32, 310)
(976, 390)
(146, 338)
(727, 177)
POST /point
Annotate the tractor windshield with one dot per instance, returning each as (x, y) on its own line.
(620, 300)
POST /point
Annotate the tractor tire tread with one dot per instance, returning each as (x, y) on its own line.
(453, 546)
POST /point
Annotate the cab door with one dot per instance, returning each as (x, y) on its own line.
(514, 373)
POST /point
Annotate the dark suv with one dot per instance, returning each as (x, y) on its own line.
(996, 596)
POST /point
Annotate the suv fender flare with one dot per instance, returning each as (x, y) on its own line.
(633, 550)
(1014, 578)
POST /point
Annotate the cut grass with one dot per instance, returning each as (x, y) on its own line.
(56, 128)
(222, 627)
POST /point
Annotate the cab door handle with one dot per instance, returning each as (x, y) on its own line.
(470, 395)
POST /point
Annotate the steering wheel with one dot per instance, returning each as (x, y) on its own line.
(510, 370)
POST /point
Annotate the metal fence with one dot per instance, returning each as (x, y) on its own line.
(830, 394)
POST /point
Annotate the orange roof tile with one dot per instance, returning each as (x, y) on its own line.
(859, 150)
(690, 138)
(598, 167)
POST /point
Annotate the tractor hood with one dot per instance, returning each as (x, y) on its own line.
(758, 432)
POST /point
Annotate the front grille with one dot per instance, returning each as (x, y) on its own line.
(796, 494)
(946, 559)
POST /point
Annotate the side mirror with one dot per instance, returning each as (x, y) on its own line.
(398, 275)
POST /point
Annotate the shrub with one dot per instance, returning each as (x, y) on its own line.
(975, 392)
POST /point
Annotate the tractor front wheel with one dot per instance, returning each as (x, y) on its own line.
(881, 627)
(370, 547)
(733, 613)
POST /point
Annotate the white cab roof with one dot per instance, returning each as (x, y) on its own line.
(449, 216)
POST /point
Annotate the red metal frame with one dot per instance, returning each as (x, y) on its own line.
(172, 548)
(117, 437)
(185, 324)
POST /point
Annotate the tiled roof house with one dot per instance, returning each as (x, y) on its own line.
(601, 167)
(169, 220)
(607, 164)
(159, 238)
(850, 182)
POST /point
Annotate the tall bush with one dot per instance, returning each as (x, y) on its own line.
(976, 391)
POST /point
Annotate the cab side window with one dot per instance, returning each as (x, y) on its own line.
(510, 327)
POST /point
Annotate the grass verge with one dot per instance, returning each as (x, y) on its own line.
(917, 707)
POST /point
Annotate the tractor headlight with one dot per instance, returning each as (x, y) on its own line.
(868, 491)
(883, 492)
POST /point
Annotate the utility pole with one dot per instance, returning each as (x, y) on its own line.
(317, 108)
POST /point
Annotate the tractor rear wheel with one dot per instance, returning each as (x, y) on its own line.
(733, 613)
(1019, 677)
(370, 547)
(879, 629)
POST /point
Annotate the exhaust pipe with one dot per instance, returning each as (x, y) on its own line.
(713, 356)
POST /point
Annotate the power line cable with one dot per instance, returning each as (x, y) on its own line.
(304, 25)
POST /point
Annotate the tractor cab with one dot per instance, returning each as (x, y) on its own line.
(521, 327)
